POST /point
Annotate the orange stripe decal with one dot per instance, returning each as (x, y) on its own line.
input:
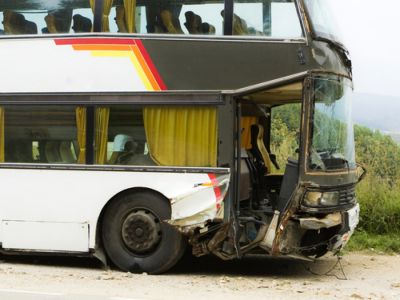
(109, 47)
(145, 68)
(101, 47)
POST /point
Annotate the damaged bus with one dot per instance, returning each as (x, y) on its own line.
(131, 129)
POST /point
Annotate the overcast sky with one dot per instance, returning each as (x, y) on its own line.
(371, 31)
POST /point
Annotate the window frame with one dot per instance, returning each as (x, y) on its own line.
(227, 28)
(90, 101)
(36, 131)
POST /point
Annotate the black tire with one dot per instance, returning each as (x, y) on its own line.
(135, 237)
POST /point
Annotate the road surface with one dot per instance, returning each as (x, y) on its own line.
(364, 276)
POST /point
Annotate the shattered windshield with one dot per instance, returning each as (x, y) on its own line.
(332, 136)
(323, 22)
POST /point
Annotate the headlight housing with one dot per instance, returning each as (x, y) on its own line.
(317, 199)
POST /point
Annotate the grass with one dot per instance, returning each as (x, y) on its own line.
(378, 243)
(380, 207)
(379, 227)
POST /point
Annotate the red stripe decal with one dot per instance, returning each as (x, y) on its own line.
(94, 41)
(217, 190)
(153, 69)
(115, 41)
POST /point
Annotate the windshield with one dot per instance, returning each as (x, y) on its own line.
(321, 17)
(332, 139)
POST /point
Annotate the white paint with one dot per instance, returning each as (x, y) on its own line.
(354, 217)
(78, 196)
(199, 204)
(60, 68)
(45, 236)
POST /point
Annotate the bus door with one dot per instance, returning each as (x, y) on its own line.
(269, 150)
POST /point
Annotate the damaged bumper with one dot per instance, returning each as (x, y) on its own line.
(313, 237)
(350, 219)
(328, 221)
(201, 203)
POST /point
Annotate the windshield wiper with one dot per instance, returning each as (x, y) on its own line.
(333, 162)
(317, 161)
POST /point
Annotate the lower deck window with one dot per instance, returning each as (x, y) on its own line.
(123, 135)
(166, 136)
(39, 135)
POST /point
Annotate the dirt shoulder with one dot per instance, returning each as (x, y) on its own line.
(365, 277)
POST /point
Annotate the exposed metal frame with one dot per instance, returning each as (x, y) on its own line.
(305, 26)
(268, 85)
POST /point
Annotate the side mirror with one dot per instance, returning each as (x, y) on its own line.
(361, 172)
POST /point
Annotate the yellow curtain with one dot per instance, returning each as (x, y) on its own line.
(245, 124)
(182, 136)
(102, 115)
(80, 113)
(1, 134)
(130, 10)
(105, 15)
(92, 2)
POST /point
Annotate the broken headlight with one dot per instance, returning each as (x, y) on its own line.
(321, 199)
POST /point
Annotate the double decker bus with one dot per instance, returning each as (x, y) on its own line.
(132, 129)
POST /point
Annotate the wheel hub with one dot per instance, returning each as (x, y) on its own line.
(141, 231)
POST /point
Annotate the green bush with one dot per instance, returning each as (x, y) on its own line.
(379, 193)
(380, 205)
(379, 153)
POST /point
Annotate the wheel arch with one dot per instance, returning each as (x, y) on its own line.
(98, 239)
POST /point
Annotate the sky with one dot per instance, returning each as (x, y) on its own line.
(371, 32)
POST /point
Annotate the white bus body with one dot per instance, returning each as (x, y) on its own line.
(59, 210)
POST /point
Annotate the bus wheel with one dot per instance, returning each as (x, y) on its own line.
(135, 237)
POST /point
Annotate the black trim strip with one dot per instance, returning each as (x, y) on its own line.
(142, 98)
(177, 37)
(114, 168)
(228, 17)
(98, 16)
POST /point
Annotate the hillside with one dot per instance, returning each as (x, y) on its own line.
(378, 112)
(394, 135)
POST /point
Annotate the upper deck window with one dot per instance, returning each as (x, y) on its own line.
(167, 17)
(271, 18)
(322, 20)
(42, 17)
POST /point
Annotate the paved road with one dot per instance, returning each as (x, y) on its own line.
(365, 276)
